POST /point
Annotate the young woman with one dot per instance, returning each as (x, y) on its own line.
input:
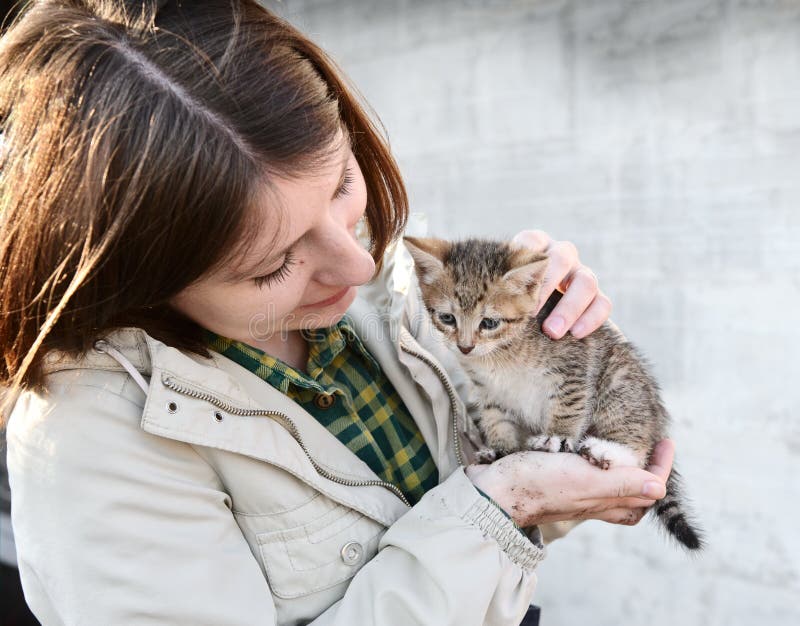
(220, 411)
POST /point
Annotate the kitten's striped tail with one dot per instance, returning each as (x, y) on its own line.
(672, 513)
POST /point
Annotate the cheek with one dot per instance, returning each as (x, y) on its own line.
(223, 310)
(507, 332)
(280, 299)
(450, 332)
(242, 310)
(442, 328)
(494, 337)
(248, 303)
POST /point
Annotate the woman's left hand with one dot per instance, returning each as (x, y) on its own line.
(584, 307)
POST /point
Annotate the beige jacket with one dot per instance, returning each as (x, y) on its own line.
(154, 487)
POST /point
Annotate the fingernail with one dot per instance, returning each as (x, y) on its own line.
(577, 329)
(653, 489)
(555, 325)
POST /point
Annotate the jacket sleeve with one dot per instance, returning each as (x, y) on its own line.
(453, 559)
(117, 526)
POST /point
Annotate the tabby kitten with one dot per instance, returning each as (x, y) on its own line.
(593, 396)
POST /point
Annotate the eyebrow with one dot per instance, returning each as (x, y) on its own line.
(272, 258)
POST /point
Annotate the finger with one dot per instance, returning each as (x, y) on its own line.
(631, 503)
(593, 317)
(600, 505)
(581, 291)
(562, 260)
(661, 459)
(536, 240)
(626, 517)
(631, 482)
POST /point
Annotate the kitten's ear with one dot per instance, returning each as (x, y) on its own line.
(528, 278)
(428, 254)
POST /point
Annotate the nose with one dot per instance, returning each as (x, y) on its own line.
(466, 349)
(343, 261)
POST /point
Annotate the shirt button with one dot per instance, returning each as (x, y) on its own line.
(324, 400)
(352, 552)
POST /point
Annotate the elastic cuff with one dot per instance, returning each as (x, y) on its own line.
(495, 523)
(502, 510)
(465, 502)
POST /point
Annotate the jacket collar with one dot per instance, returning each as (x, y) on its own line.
(243, 414)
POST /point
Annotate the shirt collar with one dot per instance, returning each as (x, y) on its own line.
(324, 344)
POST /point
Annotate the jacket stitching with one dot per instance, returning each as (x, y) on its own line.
(316, 495)
(346, 572)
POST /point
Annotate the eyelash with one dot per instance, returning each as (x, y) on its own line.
(283, 271)
(278, 275)
(344, 189)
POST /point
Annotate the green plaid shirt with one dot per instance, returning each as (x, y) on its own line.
(346, 391)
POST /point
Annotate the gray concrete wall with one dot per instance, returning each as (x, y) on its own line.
(663, 138)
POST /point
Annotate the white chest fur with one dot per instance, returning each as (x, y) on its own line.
(524, 391)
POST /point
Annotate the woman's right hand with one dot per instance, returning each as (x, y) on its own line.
(542, 487)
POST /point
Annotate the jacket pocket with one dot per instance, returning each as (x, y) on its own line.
(318, 555)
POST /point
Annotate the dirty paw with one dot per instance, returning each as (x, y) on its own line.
(586, 453)
(605, 454)
(550, 443)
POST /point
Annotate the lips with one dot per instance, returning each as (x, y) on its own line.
(328, 301)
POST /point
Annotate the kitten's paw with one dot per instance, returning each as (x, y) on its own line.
(485, 455)
(606, 454)
(500, 433)
(550, 443)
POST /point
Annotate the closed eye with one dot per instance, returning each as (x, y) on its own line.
(278, 275)
(346, 185)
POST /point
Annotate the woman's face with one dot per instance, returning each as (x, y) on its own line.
(302, 271)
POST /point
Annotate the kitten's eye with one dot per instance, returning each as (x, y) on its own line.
(487, 323)
(447, 319)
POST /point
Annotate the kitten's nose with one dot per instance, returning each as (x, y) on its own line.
(466, 349)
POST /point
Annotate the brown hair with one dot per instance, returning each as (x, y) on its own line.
(135, 135)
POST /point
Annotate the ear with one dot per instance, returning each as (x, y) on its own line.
(428, 254)
(527, 279)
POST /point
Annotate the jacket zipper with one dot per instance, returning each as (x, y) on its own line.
(450, 392)
(289, 425)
